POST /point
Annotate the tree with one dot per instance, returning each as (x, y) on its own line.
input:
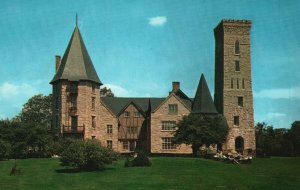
(106, 92)
(37, 110)
(295, 136)
(88, 154)
(201, 129)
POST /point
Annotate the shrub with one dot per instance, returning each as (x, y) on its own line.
(87, 154)
(141, 161)
(5, 150)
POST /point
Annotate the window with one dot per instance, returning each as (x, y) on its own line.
(237, 47)
(73, 101)
(126, 114)
(167, 143)
(231, 83)
(132, 130)
(125, 145)
(109, 144)
(109, 129)
(173, 108)
(243, 84)
(240, 101)
(168, 125)
(237, 83)
(56, 101)
(236, 120)
(73, 121)
(93, 88)
(237, 66)
(93, 137)
(93, 102)
(94, 121)
(137, 114)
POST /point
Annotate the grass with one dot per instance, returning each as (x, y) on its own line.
(165, 173)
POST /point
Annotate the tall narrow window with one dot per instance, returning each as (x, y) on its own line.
(109, 144)
(125, 145)
(73, 100)
(109, 129)
(93, 88)
(237, 83)
(94, 121)
(236, 120)
(237, 66)
(243, 84)
(231, 83)
(93, 102)
(237, 47)
(240, 101)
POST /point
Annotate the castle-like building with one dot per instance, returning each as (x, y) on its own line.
(125, 124)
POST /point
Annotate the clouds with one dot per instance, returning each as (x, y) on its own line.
(9, 90)
(13, 96)
(117, 90)
(158, 21)
(279, 93)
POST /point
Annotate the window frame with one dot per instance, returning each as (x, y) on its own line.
(167, 143)
(168, 125)
(240, 101)
(172, 108)
(236, 120)
(109, 129)
(109, 144)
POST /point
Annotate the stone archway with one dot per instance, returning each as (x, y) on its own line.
(239, 144)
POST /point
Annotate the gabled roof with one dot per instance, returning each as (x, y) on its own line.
(76, 63)
(203, 102)
(117, 104)
(135, 105)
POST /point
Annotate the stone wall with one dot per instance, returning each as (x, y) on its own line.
(162, 114)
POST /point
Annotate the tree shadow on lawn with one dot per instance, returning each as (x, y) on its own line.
(77, 170)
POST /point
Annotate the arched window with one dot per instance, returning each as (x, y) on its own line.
(237, 47)
(239, 144)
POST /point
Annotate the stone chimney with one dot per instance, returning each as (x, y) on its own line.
(57, 62)
(175, 86)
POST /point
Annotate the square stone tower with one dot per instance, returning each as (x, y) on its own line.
(233, 83)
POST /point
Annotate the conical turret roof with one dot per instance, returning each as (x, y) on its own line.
(203, 102)
(76, 63)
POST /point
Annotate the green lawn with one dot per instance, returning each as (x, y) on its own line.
(165, 173)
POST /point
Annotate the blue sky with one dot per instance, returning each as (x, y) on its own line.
(139, 47)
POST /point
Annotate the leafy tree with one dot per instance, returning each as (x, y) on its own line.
(5, 150)
(106, 92)
(200, 129)
(295, 136)
(88, 154)
(37, 110)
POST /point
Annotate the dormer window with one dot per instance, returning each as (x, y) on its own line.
(237, 47)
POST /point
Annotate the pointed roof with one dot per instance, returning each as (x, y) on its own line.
(203, 102)
(76, 63)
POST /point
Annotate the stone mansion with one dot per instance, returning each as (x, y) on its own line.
(125, 124)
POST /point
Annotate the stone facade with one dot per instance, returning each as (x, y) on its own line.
(161, 114)
(233, 84)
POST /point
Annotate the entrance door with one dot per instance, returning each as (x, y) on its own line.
(239, 144)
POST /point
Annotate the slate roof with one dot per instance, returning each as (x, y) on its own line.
(116, 104)
(76, 63)
(203, 102)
